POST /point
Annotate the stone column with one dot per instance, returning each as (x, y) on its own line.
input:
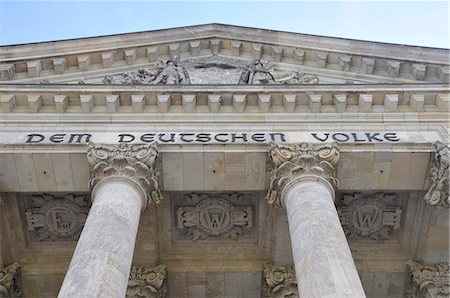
(303, 182)
(124, 182)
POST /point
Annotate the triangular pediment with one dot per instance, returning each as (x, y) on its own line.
(229, 50)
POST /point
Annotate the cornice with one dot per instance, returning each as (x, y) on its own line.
(33, 62)
(390, 100)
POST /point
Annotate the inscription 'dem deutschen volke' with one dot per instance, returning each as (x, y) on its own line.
(210, 138)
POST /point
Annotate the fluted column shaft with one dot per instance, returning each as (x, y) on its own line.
(123, 181)
(303, 182)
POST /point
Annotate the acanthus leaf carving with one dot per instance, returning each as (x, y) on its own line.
(292, 161)
(134, 162)
(148, 282)
(9, 286)
(279, 281)
(373, 216)
(53, 217)
(214, 217)
(428, 280)
(438, 193)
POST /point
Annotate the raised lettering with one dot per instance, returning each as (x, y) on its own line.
(203, 137)
(326, 135)
(170, 140)
(280, 135)
(391, 136)
(355, 138)
(373, 136)
(235, 136)
(57, 138)
(344, 139)
(183, 135)
(148, 137)
(34, 141)
(79, 137)
(259, 137)
(123, 136)
(221, 140)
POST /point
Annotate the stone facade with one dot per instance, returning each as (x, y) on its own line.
(164, 152)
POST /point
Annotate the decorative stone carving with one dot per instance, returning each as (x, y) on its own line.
(134, 162)
(213, 217)
(9, 286)
(369, 216)
(280, 281)
(438, 194)
(428, 281)
(296, 160)
(52, 218)
(212, 70)
(149, 282)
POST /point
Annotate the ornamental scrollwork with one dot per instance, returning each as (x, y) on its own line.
(9, 285)
(373, 217)
(214, 217)
(428, 280)
(51, 217)
(148, 282)
(135, 162)
(279, 281)
(292, 161)
(438, 193)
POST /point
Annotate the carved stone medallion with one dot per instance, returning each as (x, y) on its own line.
(52, 218)
(428, 281)
(213, 217)
(149, 282)
(9, 286)
(279, 281)
(369, 216)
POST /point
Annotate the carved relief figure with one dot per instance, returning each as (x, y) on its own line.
(211, 70)
(257, 73)
(171, 74)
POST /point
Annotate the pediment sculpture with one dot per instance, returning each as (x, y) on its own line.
(211, 70)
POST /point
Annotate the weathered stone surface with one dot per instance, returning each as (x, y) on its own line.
(214, 216)
(148, 282)
(438, 193)
(428, 280)
(279, 281)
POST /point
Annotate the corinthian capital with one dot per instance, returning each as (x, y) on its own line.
(279, 281)
(438, 193)
(298, 160)
(8, 281)
(429, 281)
(147, 282)
(133, 162)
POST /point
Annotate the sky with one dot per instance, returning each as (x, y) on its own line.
(423, 23)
